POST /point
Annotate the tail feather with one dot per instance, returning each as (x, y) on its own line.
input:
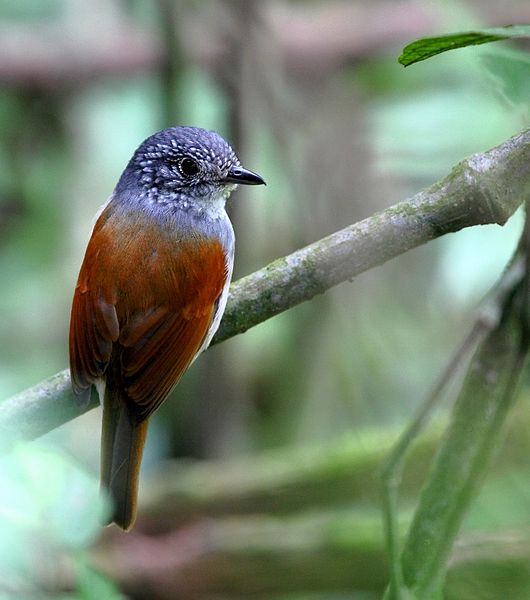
(122, 445)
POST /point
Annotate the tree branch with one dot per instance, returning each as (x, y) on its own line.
(311, 39)
(318, 554)
(290, 481)
(485, 188)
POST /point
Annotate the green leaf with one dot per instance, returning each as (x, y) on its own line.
(426, 47)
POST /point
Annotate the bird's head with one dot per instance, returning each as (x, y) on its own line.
(186, 162)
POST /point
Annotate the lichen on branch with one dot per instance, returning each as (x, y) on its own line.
(484, 188)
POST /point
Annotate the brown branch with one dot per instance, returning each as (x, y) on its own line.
(310, 38)
(261, 557)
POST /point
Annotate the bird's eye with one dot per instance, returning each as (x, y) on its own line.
(188, 167)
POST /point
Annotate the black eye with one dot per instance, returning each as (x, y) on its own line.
(188, 167)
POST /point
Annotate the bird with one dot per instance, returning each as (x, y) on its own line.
(151, 291)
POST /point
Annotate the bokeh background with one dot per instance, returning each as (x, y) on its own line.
(312, 97)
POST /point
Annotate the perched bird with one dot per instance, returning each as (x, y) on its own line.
(152, 290)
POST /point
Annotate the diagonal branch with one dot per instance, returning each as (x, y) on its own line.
(485, 188)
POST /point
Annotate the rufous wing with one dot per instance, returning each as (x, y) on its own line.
(143, 304)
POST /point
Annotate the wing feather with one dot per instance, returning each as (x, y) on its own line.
(142, 310)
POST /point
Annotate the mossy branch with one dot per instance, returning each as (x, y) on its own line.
(482, 189)
(485, 188)
(290, 481)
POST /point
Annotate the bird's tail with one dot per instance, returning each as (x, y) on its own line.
(122, 445)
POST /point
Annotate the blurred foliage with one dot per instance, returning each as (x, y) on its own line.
(50, 509)
(334, 147)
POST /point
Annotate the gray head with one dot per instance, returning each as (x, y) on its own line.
(185, 162)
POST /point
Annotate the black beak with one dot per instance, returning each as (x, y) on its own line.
(243, 177)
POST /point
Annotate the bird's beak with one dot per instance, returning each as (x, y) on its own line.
(243, 177)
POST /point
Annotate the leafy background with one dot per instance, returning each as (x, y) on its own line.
(339, 130)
